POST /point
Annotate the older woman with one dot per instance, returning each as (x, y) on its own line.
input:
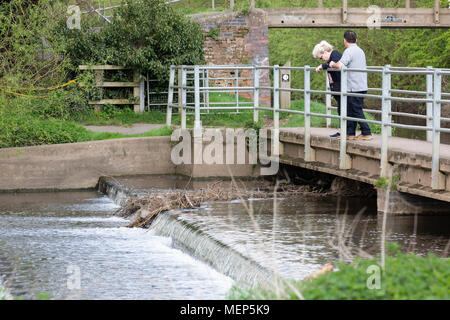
(324, 51)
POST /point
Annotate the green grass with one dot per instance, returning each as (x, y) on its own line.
(225, 118)
(163, 131)
(122, 118)
(298, 120)
(406, 276)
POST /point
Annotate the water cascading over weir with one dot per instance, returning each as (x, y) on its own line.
(190, 238)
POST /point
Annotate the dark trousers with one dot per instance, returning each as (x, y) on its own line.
(337, 87)
(355, 110)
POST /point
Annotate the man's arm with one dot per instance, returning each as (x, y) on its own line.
(336, 65)
(344, 61)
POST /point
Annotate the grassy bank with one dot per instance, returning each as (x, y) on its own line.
(24, 123)
(406, 276)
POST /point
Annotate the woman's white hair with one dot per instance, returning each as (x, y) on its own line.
(321, 47)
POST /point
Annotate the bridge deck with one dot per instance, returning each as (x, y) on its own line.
(412, 156)
(394, 143)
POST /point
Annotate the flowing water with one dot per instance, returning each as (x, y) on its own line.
(67, 243)
(51, 238)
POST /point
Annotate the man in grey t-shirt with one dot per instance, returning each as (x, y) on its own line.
(354, 58)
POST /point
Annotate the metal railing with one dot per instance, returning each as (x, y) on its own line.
(433, 100)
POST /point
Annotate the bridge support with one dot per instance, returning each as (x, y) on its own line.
(400, 203)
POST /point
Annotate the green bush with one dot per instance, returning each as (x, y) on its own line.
(146, 36)
(406, 276)
(26, 130)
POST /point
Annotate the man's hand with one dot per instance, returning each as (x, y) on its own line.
(319, 68)
(335, 65)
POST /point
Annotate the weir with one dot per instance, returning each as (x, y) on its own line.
(190, 239)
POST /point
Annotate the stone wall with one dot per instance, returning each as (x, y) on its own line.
(232, 39)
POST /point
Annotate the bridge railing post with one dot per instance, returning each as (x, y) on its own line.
(327, 101)
(429, 95)
(385, 120)
(276, 97)
(236, 97)
(309, 152)
(197, 122)
(437, 178)
(255, 94)
(183, 97)
(170, 96)
(344, 158)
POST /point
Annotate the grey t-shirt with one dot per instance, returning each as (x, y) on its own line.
(354, 57)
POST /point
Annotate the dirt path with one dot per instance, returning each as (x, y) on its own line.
(134, 129)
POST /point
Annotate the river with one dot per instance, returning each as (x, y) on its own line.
(69, 245)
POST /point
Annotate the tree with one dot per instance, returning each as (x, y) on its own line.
(146, 36)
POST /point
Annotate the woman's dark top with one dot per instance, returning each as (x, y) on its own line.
(335, 75)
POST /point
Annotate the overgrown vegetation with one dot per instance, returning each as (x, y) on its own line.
(43, 95)
(406, 276)
(146, 36)
(390, 183)
(40, 56)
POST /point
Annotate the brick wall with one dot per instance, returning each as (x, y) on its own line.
(241, 40)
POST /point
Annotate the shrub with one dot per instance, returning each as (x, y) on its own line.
(146, 36)
(26, 130)
(406, 276)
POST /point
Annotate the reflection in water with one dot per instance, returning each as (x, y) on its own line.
(301, 237)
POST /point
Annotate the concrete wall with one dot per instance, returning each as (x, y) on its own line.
(79, 165)
(202, 170)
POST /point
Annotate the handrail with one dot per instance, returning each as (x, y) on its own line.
(250, 83)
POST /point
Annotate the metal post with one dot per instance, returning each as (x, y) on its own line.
(437, 180)
(385, 121)
(276, 97)
(255, 94)
(236, 75)
(148, 92)
(170, 97)
(388, 101)
(142, 95)
(183, 97)
(197, 122)
(309, 152)
(429, 122)
(327, 100)
(344, 158)
(207, 92)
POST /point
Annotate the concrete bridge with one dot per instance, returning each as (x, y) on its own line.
(422, 168)
(410, 159)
